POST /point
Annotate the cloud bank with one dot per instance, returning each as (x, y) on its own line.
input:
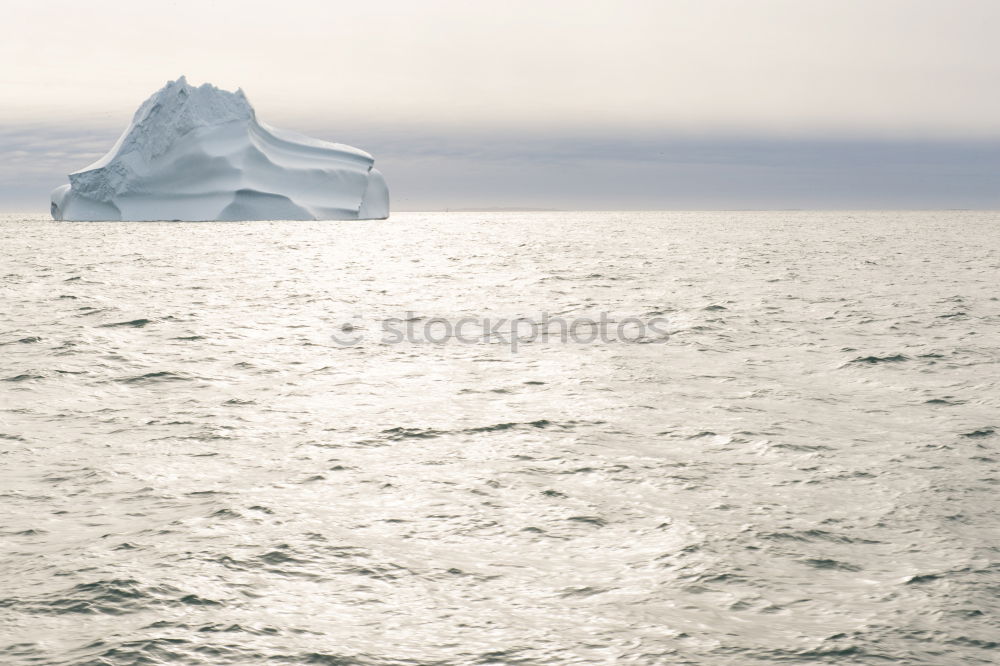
(510, 169)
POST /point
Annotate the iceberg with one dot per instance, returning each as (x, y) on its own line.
(199, 153)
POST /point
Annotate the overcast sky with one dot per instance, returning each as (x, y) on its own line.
(547, 103)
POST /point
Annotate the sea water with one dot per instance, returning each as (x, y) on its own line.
(273, 443)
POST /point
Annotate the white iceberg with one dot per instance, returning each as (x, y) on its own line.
(199, 153)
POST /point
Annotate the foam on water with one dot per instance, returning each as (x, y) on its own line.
(806, 471)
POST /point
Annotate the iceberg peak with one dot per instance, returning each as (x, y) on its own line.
(199, 153)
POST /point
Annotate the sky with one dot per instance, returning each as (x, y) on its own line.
(582, 104)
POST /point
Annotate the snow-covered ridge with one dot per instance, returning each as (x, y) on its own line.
(199, 153)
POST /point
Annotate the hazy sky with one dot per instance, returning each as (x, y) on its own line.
(583, 103)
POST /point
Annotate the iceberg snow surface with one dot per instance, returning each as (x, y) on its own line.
(199, 153)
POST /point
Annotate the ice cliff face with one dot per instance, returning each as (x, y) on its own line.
(199, 153)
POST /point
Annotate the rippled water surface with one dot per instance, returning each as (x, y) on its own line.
(805, 470)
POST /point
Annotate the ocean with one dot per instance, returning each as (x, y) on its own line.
(502, 438)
